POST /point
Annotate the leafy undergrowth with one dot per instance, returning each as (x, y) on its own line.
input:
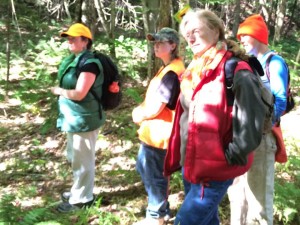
(34, 170)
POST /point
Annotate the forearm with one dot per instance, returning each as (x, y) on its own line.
(84, 84)
(143, 112)
(70, 94)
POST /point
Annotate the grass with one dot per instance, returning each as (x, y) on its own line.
(32, 163)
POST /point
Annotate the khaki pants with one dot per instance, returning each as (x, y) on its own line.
(81, 154)
(251, 194)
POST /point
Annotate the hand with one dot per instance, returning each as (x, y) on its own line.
(137, 115)
(56, 90)
(235, 159)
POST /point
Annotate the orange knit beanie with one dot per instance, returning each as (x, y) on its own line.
(255, 27)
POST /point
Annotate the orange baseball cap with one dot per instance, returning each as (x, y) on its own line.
(77, 30)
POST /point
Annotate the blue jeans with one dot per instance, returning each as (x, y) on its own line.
(150, 163)
(202, 211)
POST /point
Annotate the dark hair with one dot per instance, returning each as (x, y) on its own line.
(175, 52)
(89, 44)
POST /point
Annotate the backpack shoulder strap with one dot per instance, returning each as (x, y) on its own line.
(233, 65)
(229, 69)
(268, 64)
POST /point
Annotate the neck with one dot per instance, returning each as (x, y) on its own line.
(166, 61)
(263, 50)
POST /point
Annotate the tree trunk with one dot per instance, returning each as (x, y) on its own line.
(89, 16)
(281, 7)
(257, 6)
(236, 16)
(288, 27)
(297, 60)
(150, 16)
(108, 23)
(265, 10)
(192, 3)
(182, 45)
(165, 19)
(99, 9)
(8, 21)
(111, 33)
(79, 11)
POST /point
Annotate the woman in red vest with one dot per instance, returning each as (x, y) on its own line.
(155, 118)
(211, 140)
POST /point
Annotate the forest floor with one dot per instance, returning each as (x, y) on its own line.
(33, 166)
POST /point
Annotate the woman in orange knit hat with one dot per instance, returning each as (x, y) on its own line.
(251, 195)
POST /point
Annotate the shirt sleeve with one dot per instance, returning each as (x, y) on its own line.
(91, 68)
(279, 84)
(169, 89)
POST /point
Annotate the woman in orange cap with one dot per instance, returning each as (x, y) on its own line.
(80, 114)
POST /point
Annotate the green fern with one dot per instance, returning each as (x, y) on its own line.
(34, 216)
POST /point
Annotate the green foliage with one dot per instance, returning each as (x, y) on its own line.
(286, 202)
(34, 216)
(176, 183)
(132, 56)
(40, 172)
(104, 218)
(287, 192)
(9, 209)
(134, 94)
(11, 212)
(288, 49)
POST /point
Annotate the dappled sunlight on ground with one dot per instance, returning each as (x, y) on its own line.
(290, 125)
(35, 162)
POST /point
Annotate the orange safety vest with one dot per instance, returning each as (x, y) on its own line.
(156, 132)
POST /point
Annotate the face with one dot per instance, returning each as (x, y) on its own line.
(76, 44)
(199, 36)
(163, 49)
(250, 44)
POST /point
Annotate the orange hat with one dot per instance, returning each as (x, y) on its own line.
(77, 30)
(255, 27)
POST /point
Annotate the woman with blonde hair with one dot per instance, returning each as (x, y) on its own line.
(212, 141)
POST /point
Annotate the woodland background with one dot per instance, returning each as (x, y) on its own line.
(33, 169)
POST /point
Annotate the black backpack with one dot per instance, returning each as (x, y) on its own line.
(267, 96)
(109, 100)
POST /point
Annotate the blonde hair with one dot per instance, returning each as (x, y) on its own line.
(213, 22)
